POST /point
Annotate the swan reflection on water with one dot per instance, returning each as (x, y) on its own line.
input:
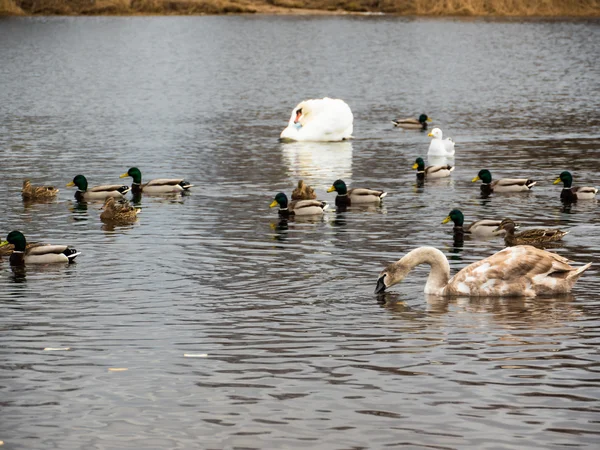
(318, 163)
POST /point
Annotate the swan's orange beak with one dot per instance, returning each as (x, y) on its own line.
(298, 115)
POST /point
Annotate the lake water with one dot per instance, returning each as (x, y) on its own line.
(289, 346)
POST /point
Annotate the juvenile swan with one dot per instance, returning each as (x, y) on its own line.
(521, 271)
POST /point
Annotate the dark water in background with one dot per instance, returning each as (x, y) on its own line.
(292, 348)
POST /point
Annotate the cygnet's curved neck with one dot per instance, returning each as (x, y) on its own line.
(440, 269)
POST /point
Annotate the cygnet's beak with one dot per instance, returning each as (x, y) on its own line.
(380, 285)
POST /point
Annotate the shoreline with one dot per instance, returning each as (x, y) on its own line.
(461, 9)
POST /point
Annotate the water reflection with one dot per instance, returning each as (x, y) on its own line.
(318, 163)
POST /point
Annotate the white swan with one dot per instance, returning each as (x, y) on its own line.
(521, 271)
(439, 146)
(324, 119)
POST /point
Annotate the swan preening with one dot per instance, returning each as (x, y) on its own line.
(439, 146)
(521, 271)
(324, 119)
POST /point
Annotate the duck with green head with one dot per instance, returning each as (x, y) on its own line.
(40, 254)
(483, 228)
(431, 172)
(85, 193)
(158, 186)
(533, 236)
(503, 185)
(411, 123)
(571, 194)
(355, 196)
(298, 207)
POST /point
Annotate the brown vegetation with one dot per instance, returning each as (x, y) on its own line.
(589, 8)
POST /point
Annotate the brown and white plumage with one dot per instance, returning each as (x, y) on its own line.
(521, 271)
(117, 212)
(303, 192)
(32, 193)
(298, 207)
(431, 172)
(502, 185)
(572, 193)
(529, 237)
(355, 196)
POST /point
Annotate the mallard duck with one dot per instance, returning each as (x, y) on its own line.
(521, 271)
(84, 193)
(158, 186)
(529, 237)
(113, 212)
(324, 119)
(32, 193)
(572, 194)
(503, 185)
(40, 254)
(356, 196)
(412, 123)
(481, 228)
(6, 249)
(298, 207)
(439, 146)
(431, 171)
(303, 192)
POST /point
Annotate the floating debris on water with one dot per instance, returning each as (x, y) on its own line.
(117, 369)
(195, 355)
(56, 349)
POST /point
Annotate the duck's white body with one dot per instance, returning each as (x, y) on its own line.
(439, 146)
(521, 271)
(325, 119)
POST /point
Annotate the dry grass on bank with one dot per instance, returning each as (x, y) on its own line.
(513, 8)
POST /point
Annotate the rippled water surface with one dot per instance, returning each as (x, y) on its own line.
(241, 331)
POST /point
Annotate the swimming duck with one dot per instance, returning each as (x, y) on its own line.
(484, 228)
(503, 185)
(439, 146)
(84, 193)
(113, 212)
(6, 249)
(324, 119)
(32, 193)
(303, 192)
(431, 171)
(529, 237)
(298, 207)
(572, 194)
(356, 196)
(412, 123)
(158, 186)
(41, 254)
(521, 271)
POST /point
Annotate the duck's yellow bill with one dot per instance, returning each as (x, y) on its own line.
(446, 220)
(331, 189)
(70, 184)
(429, 119)
(430, 135)
(124, 175)
(557, 181)
(3, 243)
(415, 166)
(475, 179)
(273, 204)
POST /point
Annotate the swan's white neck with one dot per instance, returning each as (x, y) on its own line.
(440, 269)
